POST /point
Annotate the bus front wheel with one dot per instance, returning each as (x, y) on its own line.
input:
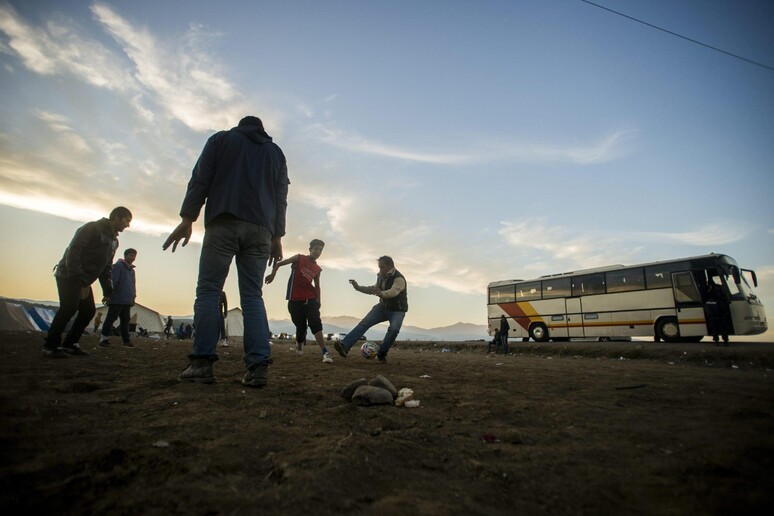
(539, 332)
(668, 329)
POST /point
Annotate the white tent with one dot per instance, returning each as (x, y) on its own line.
(14, 318)
(148, 319)
(41, 317)
(235, 323)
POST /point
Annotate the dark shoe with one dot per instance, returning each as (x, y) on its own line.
(340, 349)
(256, 377)
(104, 343)
(54, 352)
(128, 344)
(75, 350)
(198, 371)
(381, 360)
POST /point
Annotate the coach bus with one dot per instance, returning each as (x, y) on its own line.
(664, 300)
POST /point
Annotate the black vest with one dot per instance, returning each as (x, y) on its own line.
(398, 303)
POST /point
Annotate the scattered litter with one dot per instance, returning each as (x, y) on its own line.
(161, 444)
(490, 438)
(499, 363)
(638, 386)
(405, 395)
(671, 363)
(734, 366)
(425, 376)
(446, 350)
(411, 404)
(621, 358)
(262, 414)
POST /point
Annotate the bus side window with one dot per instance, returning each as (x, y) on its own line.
(625, 281)
(505, 294)
(528, 291)
(588, 284)
(659, 276)
(559, 287)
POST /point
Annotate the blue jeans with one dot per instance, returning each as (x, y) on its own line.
(377, 315)
(225, 238)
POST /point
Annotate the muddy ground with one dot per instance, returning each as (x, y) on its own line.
(577, 428)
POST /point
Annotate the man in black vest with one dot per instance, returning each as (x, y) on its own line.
(392, 291)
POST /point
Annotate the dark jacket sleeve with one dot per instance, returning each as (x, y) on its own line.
(281, 199)
(106, 279)
(201, 180)
(74, 255)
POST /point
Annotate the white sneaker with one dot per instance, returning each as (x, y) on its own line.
(299, 350)
(327, 358)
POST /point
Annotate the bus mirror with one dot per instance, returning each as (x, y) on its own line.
(737, 276)
(754, 278)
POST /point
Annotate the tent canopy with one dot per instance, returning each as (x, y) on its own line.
(235, 323)
(146, 318)
(14, 318)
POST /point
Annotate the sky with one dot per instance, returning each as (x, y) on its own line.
(471, 141)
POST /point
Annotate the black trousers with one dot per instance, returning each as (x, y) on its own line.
(120, 312)
(305, 314)
(70, 303)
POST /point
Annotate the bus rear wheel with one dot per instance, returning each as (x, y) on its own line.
(668, 329)
(539, 332)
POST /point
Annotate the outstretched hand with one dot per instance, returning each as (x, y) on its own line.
(181, 232)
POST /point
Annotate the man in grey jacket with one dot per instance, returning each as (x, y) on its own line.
(243, 177)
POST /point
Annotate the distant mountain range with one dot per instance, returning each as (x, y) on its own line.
(344, 323)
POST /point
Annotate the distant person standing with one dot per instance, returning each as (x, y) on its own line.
(504, 329)
(86, 259)
(494, 343)
(392, 291)
(717, 313)
(303, 296)
(224, 316)
(168, 327)
(243, 177)
(122, 300)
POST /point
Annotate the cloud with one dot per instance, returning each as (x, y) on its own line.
(183, 78)
(608, 148)
(544, 247)
(57, 49)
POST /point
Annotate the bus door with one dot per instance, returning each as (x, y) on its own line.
(688, 304)
(574, 317)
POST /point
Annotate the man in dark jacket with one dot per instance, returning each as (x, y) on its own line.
(504, 329)
(243, 176)
(86, 259)
(122, 300)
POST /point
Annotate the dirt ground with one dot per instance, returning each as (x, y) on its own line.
(577, 428)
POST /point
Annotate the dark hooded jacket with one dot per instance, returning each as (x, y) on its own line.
(124, 284)
(240, 172)
(89, 255)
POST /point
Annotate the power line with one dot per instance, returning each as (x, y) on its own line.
(683, 37)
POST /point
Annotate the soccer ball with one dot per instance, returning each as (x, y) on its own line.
(369, 350)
